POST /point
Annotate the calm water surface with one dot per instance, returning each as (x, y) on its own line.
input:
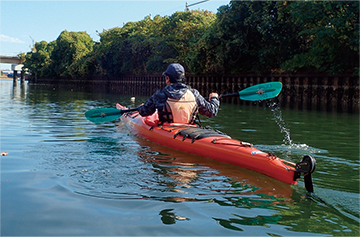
(64, 175)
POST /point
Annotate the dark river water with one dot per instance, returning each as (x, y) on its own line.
(65, 176)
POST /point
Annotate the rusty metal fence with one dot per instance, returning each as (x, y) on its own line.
(311, 92)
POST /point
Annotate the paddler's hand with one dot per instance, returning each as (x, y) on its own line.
(213, 94)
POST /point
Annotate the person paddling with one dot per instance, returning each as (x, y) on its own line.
(178, 102)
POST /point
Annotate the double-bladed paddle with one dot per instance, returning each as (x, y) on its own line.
(102, 115)
(258, 92)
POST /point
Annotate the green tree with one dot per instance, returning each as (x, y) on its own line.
(230, 41)
(183, 30)
(38, 60)
(124, 50)
(330, 31)
(247, 37)
(160, 49)
(279, 36)
(149, 45)
(70, 47)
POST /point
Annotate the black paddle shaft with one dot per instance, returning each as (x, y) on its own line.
(227, 95)
(129, 110)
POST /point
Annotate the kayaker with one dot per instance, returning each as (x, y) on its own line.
(177, 102)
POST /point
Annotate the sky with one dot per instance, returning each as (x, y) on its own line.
(21, 22)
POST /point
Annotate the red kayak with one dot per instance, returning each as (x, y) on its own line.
(213, 144)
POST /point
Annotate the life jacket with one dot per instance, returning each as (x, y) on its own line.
(181, 110)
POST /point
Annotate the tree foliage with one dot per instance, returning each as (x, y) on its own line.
(38, 60)
(242, 37)
(330, 31)
(149, 45)
(70, 47)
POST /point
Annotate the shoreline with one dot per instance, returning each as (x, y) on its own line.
(6, 78)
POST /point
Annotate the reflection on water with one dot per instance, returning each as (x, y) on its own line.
(67, 176)
(168, 217)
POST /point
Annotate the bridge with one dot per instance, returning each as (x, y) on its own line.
(16, 65)
(9, 59)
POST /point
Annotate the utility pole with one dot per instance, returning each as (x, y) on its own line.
(187, 6)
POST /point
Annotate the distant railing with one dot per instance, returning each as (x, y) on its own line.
(311, 92)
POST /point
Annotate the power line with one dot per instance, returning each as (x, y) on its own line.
(187, 6)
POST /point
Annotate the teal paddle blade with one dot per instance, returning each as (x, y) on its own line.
(102, 115)
(262, 91)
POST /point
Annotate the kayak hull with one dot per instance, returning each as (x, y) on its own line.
(217, 147)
